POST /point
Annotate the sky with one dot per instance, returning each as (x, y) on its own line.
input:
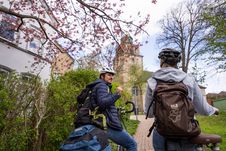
(215, 82)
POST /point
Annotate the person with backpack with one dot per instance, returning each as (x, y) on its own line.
(89, 124)
(106, 103)
(97, 110)
(172, 98)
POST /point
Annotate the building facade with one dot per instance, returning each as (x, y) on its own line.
(128, 63)
(24, 53)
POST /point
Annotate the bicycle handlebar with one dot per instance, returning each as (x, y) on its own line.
(122, 110)
(133, 107)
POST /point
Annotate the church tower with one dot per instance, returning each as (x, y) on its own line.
(127, 56)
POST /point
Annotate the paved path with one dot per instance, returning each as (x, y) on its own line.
(144, 143)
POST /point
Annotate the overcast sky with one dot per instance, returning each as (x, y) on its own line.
(215, 82)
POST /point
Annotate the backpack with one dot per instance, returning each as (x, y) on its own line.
(174, 111)
(89, 124)
(88, 111)
(85, 93)
(86, 138)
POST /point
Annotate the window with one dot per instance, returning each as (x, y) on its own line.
(135, 91)
(35, 41)
(4, 71)
(33, 44)
(7, 26)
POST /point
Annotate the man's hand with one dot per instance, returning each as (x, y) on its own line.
(119, 90)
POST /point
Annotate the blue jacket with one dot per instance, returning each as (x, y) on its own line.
(106, 102)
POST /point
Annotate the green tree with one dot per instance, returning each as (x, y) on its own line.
(61, 106)
(198, 74)
(20, 111)
(146, 75)
(214, 15)
(137, 80)
(35, 117)
(138, 77)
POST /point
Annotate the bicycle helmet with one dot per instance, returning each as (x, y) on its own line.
(107, 70)
(170, 56)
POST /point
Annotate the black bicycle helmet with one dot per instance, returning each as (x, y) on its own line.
(170, 56)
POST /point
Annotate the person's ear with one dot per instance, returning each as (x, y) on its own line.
(102, 76)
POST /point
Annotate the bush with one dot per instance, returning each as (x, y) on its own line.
(61, 106)
(34, 116)
(19, 101)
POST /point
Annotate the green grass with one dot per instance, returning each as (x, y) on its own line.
(131, 126)
(220, 104)
(214, 125)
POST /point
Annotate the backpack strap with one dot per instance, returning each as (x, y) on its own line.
(151, 128)
(154, 111)
(99, 119)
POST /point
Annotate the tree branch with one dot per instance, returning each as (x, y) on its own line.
(39, 20)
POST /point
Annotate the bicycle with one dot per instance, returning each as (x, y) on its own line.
(123, 111)
(211, 141)
(204, 141)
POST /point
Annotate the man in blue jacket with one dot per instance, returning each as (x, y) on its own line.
(169, 58)
(106, 102)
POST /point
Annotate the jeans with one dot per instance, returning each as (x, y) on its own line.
(123, 139)
(159, 144)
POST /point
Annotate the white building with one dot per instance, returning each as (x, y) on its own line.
(26, 55)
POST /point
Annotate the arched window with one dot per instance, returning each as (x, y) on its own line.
(135, 91)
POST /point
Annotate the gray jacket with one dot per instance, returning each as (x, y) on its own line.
(173, 74)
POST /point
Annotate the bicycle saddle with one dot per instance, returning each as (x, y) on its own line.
(206, 139)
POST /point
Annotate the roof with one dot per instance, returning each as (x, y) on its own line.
(220, 95)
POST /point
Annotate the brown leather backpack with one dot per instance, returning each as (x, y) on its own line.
(174, 111)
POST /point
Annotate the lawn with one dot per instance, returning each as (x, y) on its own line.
(220, 104)
(131, 126)
(214, 125)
